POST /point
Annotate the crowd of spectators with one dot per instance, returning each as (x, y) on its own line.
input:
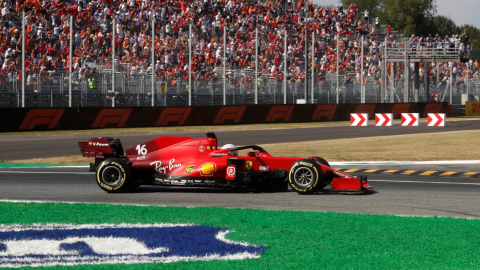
(48, 29)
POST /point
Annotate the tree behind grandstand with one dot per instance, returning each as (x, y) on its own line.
(416, 17)
(406, 16)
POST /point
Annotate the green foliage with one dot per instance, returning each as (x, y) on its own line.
(409, 16)
(443, 26)
(406, 16)
(413, 17)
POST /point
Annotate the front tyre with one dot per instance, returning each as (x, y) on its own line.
(113, 175)
(327, 179)
(305, 176)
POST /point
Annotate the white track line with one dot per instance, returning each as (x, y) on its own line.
(440, 162)
(422, 182)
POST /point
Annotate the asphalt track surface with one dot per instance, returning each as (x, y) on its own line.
(393, 194)
(38, 146)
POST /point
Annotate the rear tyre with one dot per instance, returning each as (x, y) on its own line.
(305, 176)
(114, 175)
(327, 179)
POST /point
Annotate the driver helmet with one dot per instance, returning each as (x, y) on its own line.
(230, 146)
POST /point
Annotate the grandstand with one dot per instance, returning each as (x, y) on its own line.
(112, 61)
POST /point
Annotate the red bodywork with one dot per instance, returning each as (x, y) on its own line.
(171, 160)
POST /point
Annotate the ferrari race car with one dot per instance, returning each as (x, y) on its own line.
(183, 161)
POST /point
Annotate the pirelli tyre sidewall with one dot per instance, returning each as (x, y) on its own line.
(113, 175)
(305, 176)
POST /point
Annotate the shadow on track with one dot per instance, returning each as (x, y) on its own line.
(165, 189)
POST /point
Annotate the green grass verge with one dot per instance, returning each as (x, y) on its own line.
(294, 239)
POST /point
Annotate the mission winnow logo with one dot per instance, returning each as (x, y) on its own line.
(57, 244)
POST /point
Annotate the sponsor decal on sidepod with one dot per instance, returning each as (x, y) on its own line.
(189, 169)
(56, 244)
(163, 169)
(231, 171)
(207, 169)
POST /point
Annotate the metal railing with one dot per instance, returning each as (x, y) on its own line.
(436, 50)
(51, 90)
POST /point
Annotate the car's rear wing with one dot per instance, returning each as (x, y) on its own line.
(105, 147)
(101, 149)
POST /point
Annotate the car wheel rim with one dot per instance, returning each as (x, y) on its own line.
(111, 175)
(303, 176)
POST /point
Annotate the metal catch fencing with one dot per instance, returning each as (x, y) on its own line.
(135, 90)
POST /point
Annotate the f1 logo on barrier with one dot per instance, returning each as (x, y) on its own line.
(359, 119)
(280, 112)
(178, 115)
(436, 120)
(324, 111)
(398, 109)
(56, 244)
(111, 116)
(383, 119)
(366, 108)
(49, 117)
(410, 119)
(234, 113)
(434, 107)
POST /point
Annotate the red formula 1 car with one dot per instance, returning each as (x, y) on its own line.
(182, 161)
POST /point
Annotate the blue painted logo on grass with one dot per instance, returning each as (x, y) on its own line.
(56, 244)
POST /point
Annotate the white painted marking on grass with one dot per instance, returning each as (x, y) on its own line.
(57, 226)
(48, 248)
(423, 182)
(440, 162)
(100, 245)
(32, 262)
(221, 237)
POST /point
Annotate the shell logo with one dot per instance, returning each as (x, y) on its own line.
(207, 169)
